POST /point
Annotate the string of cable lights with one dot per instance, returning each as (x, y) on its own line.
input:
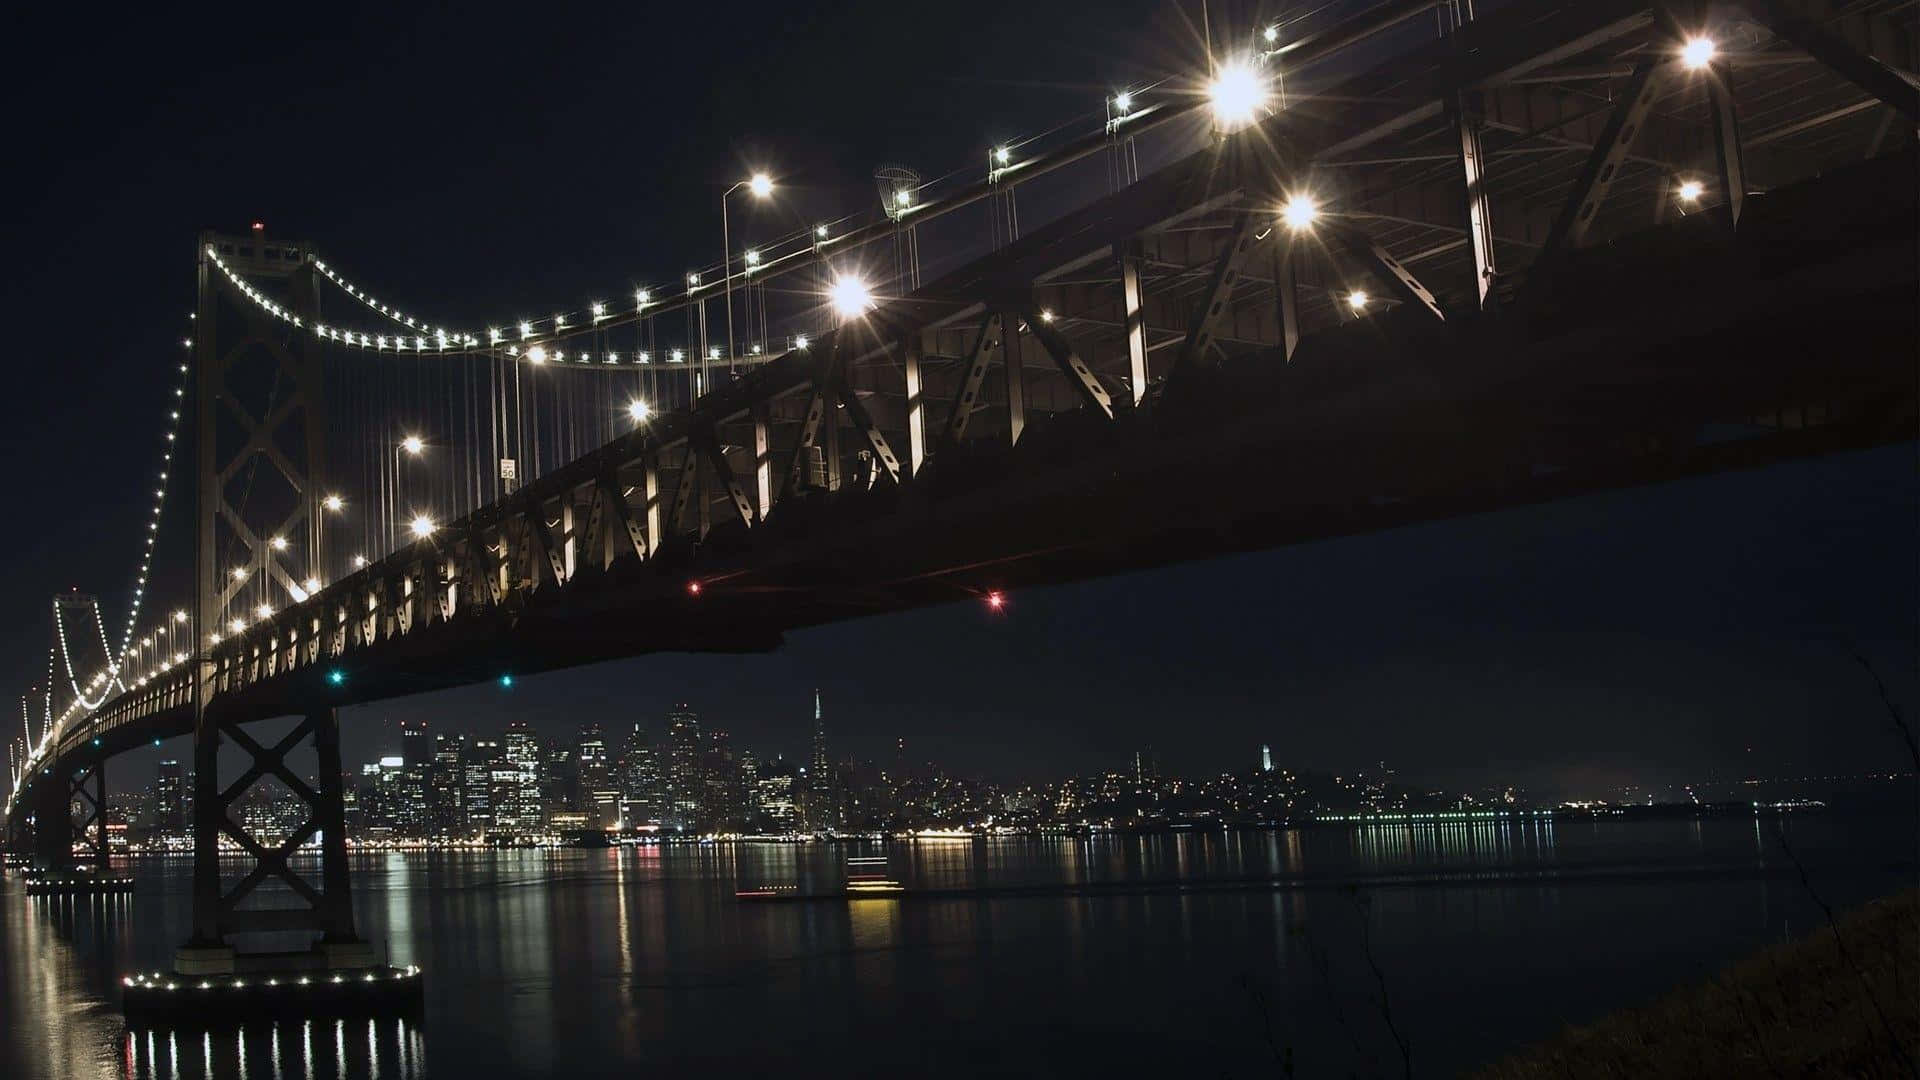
(170, 440)
(538, 341)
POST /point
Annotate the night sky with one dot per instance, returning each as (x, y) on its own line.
(468, 161)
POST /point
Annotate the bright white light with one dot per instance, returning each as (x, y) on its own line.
(820, 231)
(279, 543)
(1122, 102)
(1698, 52)
(1691, 190)
(1300, 212)
(422, 525)
(753, 258)
(537, 354)
(638, 410)
(526, 330)
(312, 585)
(599, 310)
(799, 341)
(761, 185)
(693, 281)
(239, 573)
(263, 612)
(1046, 315)
(851, 297)
(1238, 94)
(903, 197)
(413, 444)
(1357, 300)
(1002, 155)
(180, 616)
(334, 503)
(641, 296)
(677, 356)
(1271, 33)
(359, 561)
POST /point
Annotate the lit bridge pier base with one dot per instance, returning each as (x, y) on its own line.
(70, 850)
(338, 974)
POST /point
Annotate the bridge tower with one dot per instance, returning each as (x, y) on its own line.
(260, 440)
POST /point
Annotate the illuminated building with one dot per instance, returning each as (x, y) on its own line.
(686, 784)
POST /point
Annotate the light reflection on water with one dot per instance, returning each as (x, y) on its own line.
(383, 1049)
(609, 962)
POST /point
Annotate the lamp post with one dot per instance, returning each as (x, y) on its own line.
(762, 186)
(412, 445)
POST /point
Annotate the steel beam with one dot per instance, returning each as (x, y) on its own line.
(709, 442)
(1016, 374)
(912, 349)
(810, 426)
(1467, 122)
(1127, 253)
(1609, 153)
(1085, 384)
(1213, 303)
(1726, 139)
(762, 458)
(1875, 75)
(883, 455)
(1286, 298)
(967, 398)
(683, 491)
(1396, 277)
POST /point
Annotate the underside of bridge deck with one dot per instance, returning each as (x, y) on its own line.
(1538, 256)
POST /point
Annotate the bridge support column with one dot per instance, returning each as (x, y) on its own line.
(52, 836)
(1016, 376)
(88, 793)
(219, 911)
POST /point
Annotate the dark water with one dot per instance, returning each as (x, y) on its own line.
(640, 961)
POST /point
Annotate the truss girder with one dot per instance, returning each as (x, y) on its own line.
(1868, 51)
(1396, 277)
(1624, 123)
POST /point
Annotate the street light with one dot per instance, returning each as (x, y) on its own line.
(422, 526)
(1357, 300)
(1691, 190)
(1237, 93)
(761, 185)
(851, 297)
(334, 503)
(1698, 52)
(1300, 212)
(639, 411)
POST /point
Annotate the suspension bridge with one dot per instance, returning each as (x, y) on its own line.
(1403, 266)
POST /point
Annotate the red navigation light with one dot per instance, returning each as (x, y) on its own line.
(693, 588)
(996, 600)
(259, 226)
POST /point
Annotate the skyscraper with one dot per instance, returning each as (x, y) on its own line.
(598, 787)
(446, 784)
(822, 808)
(641, 796)
(476, 785)
(517, 797)
(169, 798)
(416, 747)
(685, 777)
(723, 801)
